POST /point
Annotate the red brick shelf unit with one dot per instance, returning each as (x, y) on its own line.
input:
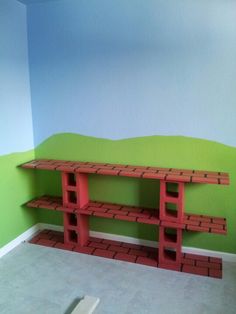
(170, 217)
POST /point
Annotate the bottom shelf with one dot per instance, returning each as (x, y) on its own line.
(191, 263)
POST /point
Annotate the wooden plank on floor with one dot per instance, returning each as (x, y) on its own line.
(86, 306)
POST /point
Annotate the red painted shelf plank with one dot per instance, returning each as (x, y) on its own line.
(168, 174)
(191, 222)
(190, 263)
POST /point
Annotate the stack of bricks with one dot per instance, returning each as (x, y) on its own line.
(133, 253)
(75, 195)
(170, 231)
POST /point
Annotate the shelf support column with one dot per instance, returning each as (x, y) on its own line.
(75, 195)
(171, 224)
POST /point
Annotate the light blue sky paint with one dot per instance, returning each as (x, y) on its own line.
(15, 105)
(119, 69)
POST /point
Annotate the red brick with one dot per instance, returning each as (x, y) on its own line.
(103, 167)
(175, 172)
(104, 215)
(146, 261)
(97, 240)
(32, 204)
(59, 239)
(121, 168)
(205, 219)
(119, 165)
(150, 249)
(65, 168)
(108, 172)
(209, 265)
(130, 174)
(203, 172)
(215, 273)
(188, 261)
(189, 222)
(224, 181)
(45, 236)
(203, 271)
(34, 240)
(119, 249)
(64, 246)
(125, 257)
(153, 220)
(171, 224)
(123, 217)
(223, 174)
(207, 225)
(142, 168)
(46, 231)
(97, 209)
(139, 215)
(187, 172)
(46, 242)
(37, 237)
(176, 267)
(55, 233)
(117, 212)
(66, 209)
(153, 255)
(218, 231)
(197, 228)
(217, 226)
(95, 204)
(46, 167)
(147, 221)
(86, 170)
(138, 253)
(145, 170)
(193, 217)
(132, 246)
(218, 220)
(84, 249)
(197, 257)
(131, 209)
(111, 242)
(98, 245)
(158, 176)
(215, 260)
(28, 166)
(178, 178)
(104, 253)
(112, 206)
(96, 164)
(85, 212)
(129, 167)
(204, 180)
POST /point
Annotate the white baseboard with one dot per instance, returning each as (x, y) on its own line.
(226, 257)
(21, 238)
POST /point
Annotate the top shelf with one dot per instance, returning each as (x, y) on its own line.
(167, 174)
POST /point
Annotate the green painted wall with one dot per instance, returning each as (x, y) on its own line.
(16, 187)
(163, 151)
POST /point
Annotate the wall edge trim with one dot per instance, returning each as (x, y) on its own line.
(18, 240)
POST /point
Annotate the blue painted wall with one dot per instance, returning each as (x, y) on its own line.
(119, 69)
(16, 130)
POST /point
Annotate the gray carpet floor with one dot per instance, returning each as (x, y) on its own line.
(40, 280)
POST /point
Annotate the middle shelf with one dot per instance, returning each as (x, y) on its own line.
(191, 222)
